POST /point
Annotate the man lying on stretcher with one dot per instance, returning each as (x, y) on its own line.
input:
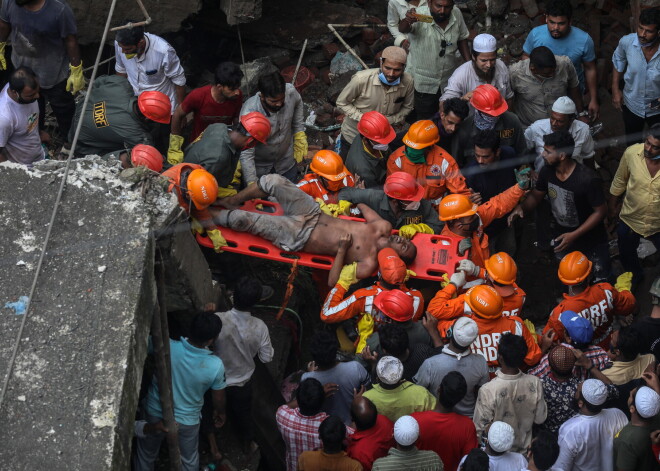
(304, 228)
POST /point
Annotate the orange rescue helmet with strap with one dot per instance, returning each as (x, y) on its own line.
(329, 165)
(574, 268)
(501, 268)
(421, 134)
(202, 188)
(484, 301)
(456, 206)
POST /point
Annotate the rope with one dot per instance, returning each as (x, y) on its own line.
(240, 42)
(289, 289)
(55, 208)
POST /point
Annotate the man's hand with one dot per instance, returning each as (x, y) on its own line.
(44, 137)
(516, 213)
(652, 380)
(548, 340)
(475, 197)
(468, 97)
(311, 366)
(617, 99)
(405, 44)
(152, 429)
(564, 241)
(345, 241)
(458, 279)
(464, 245)
(582, 360)
(430, 323)
(219, 418)
(594, 110)
(330, 389)
(410, 18)
(368, 355)
(469, 267)
(227, 203)
(358, 393)
(359, 182)
(348, 275)
(524, 178)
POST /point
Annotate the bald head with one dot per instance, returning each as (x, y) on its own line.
(363, 413)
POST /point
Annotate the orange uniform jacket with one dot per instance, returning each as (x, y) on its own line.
(445, 306)
(598, 303)
(311, 185)
(439, 175)
(338, 308)
(174, 175)
(494, 208)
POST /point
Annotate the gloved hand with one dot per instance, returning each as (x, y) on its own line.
(174, 153)
(348, 275)
(624, 281)
(409, 273)
(532, 329)
(218, 241)
(76, 81)
(444, 281)
(469, 267)
(409, 230)
(524, 178)
(464, 245)
(299, 146)
(325, 208)
(225, 192)
(343, 208)
(3, 61)
(365, 327)
(196, 226)
(458, 279)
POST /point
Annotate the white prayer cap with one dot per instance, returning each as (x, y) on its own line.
(406, 430)
(484, 43)
(501, 436)
(647, 402)
(464, 331)
(389, 370)
(564, 105)
(594, 392)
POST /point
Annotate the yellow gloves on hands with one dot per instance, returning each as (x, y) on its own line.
(409, 273)
(365, 328)
(335, 210)
(343, 208)
(225, 192)
(218, 241)
(75, 82)
(196, 226)
(299, 146)
(408, 231)
(3, 61)
(624, 281)
(174, 153)
(348, 275)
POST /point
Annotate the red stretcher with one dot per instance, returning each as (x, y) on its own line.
(436, 254)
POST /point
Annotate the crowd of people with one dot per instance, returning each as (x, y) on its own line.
(442, 137)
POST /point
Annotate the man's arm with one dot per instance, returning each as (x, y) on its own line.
(5, 29)
(180, 91)
(297, 122)
(177, 120)
(407, 105)
(347, 97)
(575, 95)
(219, 404)
(119, 62)
(533, 199)
(566, 240)
(591, 77)
(345, 242)
(72, 49)
(620, 62)
(464, 49)
(369, 214)
(405, 25)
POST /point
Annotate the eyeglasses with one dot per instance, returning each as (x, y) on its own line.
(443, 44)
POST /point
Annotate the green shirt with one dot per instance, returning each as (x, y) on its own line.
(214, 151)
(403, 400)
(410, 460)
(632, 449)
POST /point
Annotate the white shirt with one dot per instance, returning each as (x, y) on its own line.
(241, 338)
(584, 143)
(508, 461)
(586, 441)
(396, 11)
(19, 130)
(158, 68)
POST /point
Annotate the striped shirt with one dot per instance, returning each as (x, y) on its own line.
(410, 460)
(300, 433)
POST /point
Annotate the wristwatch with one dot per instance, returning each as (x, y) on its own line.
(583, 113)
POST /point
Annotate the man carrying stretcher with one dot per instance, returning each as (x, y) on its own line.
(304, 228)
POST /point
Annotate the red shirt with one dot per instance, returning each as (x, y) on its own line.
(451, 436)
(367, 446)
(208, 111)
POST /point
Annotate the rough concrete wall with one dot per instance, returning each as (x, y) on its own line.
(241, 11)
(166, 15)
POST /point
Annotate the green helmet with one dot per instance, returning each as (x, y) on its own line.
(655, 291)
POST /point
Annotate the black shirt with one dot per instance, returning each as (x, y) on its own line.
(648, 335)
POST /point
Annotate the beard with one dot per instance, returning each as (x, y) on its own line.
(485, 76)
(439, 18)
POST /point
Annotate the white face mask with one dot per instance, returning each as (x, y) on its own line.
(380, 147)
(413, 206)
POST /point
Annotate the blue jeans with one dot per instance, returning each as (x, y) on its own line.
(628, 241)
(147, 448)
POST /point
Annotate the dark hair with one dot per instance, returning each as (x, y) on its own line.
(512, 349)
(332, 432)
(271, 85)
(457, 106)
(21, 78)
(654, 131)
(130, 36)
(476, 460)
(323, 348)
(542, 57)
(650, 16)
(487, 139)
(628, 343)
(393, 339)
(561, 140)
(205, 326)
(559, 8)
(545, 449)
(366, 420)
(594, 409)
(453, 389)
(228, 74)
(310, 396)
(247, 293)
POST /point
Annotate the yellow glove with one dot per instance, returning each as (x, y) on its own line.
(365, 327)
(343, 208)
(196, 226)
(218, 241)
(236, 181)
(76, 81)
(225, 192)
(445, 281)
(408, 231)
(624, 281)
(299, 146)
(348, 275)
(174, 153)
(532, 328)
(409, 273)
(3, 61)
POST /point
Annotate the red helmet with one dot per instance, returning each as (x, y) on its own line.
(488, 99)
(257, 125)
(395, 304)
(402, 186)
(147, 156)
(156, 106)
(375, 127)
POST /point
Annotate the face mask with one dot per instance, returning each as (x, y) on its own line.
(483, 121)
(383, 79)
(412, 206)
(380, 147)
(416, 156)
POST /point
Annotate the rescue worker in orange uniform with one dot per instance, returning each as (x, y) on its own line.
(467, 220)
(599, 303)
(500, 273)
(431, 165)
(484, 304)
(328, 177)
(359, 305)
(196, 189)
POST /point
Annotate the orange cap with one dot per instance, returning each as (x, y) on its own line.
(574, 268)
(202, 188)
(484, 301)
(456, 206)
(502, 269)
(392, 269)
(421, 134)
(329, 165)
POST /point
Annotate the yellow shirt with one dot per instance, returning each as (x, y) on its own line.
(640, 210)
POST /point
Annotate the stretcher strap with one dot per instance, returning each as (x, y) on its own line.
(289, 289)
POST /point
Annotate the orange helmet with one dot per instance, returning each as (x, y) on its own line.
(392, 269)
(395, 304)
(202, 188)
(403, 186)
(574, 268)
(329, 165)
(257, 125)
(456, 206)
(156, 106)
(421, 134)
(147, 156)
(501, 268)
(375, 127)
(488, 99)
(484, 301)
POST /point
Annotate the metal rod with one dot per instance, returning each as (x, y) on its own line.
(245, 70)
(100, 63)
(351, 25)
(295, 73)
(348, 48)
(147, 19)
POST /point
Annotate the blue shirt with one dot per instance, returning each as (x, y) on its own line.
(194, 371)
(577, 45)
(642, 79)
